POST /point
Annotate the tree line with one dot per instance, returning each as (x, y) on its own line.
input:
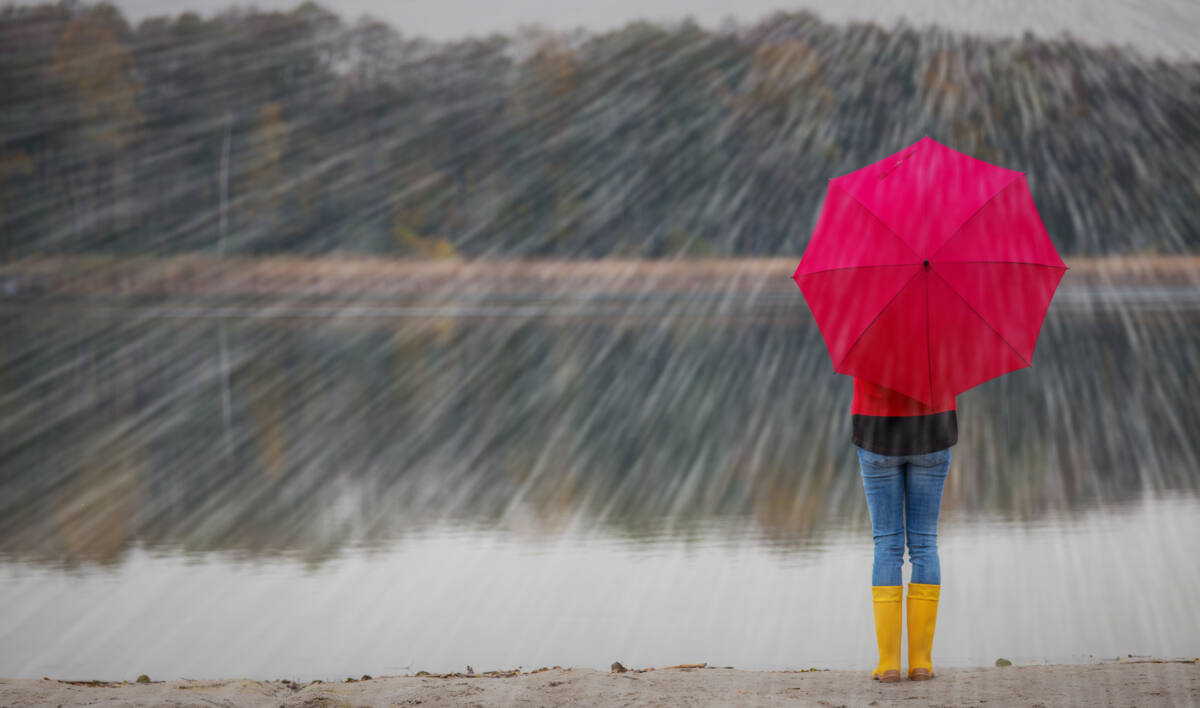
(254, 132)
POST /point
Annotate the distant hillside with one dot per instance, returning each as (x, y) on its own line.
(291, 132)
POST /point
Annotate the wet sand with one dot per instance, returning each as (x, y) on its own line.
(1116, 683)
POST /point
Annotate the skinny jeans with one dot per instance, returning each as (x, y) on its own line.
(904, 496)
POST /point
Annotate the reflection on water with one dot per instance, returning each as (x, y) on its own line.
(1074, 589)
(533, 489)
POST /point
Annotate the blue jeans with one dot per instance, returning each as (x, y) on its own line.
(904, 496)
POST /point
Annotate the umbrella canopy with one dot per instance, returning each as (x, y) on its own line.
(929, 272)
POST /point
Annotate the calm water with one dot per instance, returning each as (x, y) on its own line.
(322, 493)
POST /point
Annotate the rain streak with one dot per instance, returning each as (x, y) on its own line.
(487, 350)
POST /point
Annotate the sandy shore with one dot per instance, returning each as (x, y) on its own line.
(1124, 683)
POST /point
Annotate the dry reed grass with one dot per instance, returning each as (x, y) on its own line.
(337, 276)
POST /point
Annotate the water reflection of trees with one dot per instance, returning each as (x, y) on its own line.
(113, 433)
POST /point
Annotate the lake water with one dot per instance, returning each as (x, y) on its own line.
(321, 492)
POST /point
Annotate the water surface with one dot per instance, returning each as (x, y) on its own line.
(280, 493)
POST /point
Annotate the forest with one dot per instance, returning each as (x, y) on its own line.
(299, 132)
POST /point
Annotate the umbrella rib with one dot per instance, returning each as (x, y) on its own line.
(928, 353)
(976, 213)
(1044, 265)
(855, 267)
(981, 317)
(877, 316)
(881, 221)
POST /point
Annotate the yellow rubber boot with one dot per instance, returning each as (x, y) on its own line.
(888, 625)
(922, 616)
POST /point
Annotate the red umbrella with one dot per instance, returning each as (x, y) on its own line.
(929, 272)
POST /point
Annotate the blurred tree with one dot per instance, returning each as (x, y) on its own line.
(97, 72)
(13, 166)
(413, 230)
(260, 193)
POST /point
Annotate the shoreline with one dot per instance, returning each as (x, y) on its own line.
(1140, 681)
(196, 276)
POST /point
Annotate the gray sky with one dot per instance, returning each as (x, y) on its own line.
(1165, 28)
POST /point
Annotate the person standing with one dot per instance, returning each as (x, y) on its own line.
(903, 448)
